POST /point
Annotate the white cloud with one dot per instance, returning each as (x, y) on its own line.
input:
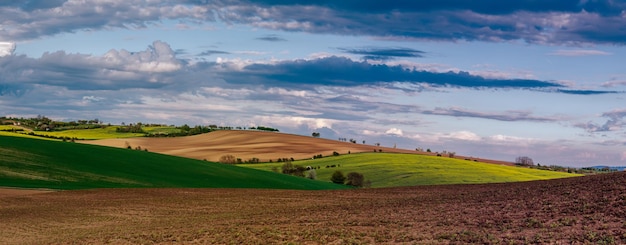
(394, 131)
(295, 121)
(464, 135)
(6, 48)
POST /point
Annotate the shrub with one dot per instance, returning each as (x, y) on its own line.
(338, 177)
(228, 159)
(355, 179)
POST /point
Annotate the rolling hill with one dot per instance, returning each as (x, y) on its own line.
(392, 170)
(247, 144)
(34, 163)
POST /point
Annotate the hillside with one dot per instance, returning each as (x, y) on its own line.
(34, 163)
(247, 144)
(582, 210)
(392, 170)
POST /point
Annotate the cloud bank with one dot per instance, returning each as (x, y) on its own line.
(545, 22)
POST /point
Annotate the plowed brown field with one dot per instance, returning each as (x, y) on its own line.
(246, 144)
(590, 209)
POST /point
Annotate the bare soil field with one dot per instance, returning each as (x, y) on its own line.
(6, 192)
(581, 210)
(246, 144)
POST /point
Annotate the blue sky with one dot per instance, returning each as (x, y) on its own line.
(543, 79)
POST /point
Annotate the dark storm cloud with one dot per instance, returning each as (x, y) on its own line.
(374, 53)
(339, 71)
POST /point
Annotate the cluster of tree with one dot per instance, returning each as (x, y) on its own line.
(137, 148)
(524, 161)
(263, 128)
(184, 130)
(130, 128)
(352, 179)
(64, 138)
(351, 140)
(43, 123)
(284, 159)
(251, 160)
(315, 134)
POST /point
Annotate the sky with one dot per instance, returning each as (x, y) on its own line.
(486, 78)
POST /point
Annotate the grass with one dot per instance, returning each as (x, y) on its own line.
(389, 170)
(91, 134)
(34, 163)
(107, 132)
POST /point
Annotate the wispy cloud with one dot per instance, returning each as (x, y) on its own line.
(505, 116)
(615, 122)
(212, 52)
(340, 71)
(384, 54)
(578, 52)
(271, 38)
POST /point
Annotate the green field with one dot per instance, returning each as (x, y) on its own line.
(34, 163)
(108, 132)
(389, 170)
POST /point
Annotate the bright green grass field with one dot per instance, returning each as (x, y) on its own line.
(389, 170)
(91, 134)
(34, 163)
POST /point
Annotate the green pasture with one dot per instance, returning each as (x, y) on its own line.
(36, 163)
(389, 170)
(90, 134)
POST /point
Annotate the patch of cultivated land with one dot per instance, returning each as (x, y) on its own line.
(246, 144)
(586, 209)
(392, 169)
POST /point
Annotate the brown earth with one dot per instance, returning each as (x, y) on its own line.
(6, 192)
(580, 210)
(246, 144)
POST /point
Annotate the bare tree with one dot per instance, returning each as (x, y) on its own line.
(524, 161)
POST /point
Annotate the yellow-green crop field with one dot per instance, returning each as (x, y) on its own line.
(389, 170)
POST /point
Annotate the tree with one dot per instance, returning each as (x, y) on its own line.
(355, 179)
(524, 161)
(315, 134)
(338, 177)
(228, 159)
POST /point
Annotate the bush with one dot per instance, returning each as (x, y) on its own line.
(228, 159)
(338, 177)
(355, 179)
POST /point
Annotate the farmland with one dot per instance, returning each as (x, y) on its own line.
(581, 210)
(37, 163)
(390, 169)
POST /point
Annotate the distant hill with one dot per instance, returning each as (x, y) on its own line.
(612, 168)
(247, 144)
(35, 163)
